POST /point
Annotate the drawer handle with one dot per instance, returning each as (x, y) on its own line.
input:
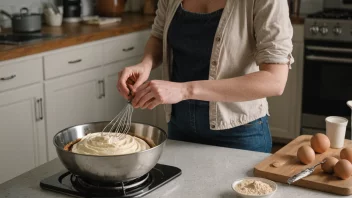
(101, 84)
(39, 106)
(128, 49)
(8, 78)
(75, 61)
(41, 109)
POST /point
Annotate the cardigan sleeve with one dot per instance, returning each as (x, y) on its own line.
(159, 21)
(273, 32)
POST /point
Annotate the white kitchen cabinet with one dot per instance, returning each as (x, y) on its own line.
(72, 59)
(79, 86)
(125, 46)
(14, 74)
(285, 110)
(298, 86)
(22, 128)
(115, 102)
(73, 100)
(159, 110)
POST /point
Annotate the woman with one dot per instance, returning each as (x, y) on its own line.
(220, 60)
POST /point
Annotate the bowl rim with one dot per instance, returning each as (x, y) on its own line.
(104, 156)
(267, 181)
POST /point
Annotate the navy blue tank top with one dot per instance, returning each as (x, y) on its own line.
(191, 36)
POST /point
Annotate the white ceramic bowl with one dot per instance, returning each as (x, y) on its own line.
(51, 18)
(54, 20)
(271, 183)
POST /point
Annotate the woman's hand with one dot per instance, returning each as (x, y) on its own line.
(130, 78)
(155, 92)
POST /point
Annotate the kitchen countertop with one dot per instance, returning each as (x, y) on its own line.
(296, 20)
(77, 33)
(207, 171)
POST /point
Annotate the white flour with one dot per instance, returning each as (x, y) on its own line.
(253, 187)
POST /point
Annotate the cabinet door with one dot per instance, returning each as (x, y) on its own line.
(22, 142)
(298, 52)
(115, 102)
(285, 109)
(160, 112)
(73, 100)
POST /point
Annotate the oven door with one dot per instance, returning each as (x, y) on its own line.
(327, 82)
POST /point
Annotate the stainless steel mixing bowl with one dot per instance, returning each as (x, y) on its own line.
(110, 168)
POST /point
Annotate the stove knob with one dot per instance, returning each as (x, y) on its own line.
(337, 30)
(324, 30)
(314, 29)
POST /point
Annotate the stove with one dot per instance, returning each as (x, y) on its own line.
(24, 38)
(334, 23)
(66, 183)
(327, 66)
(332, 14)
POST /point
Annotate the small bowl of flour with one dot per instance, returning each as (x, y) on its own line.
(254, 187)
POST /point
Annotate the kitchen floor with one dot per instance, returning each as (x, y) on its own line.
(276, 147)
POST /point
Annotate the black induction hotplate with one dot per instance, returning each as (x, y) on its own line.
(24, 38)
(66, 183)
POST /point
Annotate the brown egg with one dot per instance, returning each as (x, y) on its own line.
(328, 166)
(343, 169)
(346, 153)
(320, 142)
(306, 154)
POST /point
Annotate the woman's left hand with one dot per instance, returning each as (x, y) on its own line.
(155, 92)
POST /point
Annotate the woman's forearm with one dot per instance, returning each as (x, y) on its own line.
(261, 84)
(153, 53)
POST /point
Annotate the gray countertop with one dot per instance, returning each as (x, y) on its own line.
(207, 171)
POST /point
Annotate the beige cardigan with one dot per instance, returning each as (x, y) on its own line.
(250, 33)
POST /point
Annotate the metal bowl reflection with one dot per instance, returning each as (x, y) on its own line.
(110, 168)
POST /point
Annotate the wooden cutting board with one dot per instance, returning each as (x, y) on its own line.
(290, 166)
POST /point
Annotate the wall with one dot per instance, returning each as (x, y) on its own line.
(307, 6)
(311, 6)
(15, 5)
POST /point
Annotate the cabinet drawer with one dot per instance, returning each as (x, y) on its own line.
(72, 60)
(21, 73)
(125, 46)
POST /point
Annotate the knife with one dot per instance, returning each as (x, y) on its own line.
(303, 173)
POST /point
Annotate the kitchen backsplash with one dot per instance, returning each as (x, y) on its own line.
(306, 7)
(310, 6)
(15, 5)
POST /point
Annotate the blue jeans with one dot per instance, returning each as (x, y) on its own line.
(190, 122)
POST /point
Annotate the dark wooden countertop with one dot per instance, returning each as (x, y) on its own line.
(297, 20)
(75, 34)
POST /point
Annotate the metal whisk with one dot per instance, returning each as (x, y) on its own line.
(121, 124)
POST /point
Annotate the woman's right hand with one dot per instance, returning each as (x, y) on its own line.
(130, 78)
